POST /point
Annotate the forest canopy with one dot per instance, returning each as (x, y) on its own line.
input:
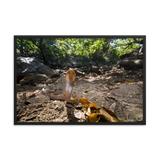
(96, 49)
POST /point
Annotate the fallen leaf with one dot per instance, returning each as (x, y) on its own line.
(108, 115)
(123, 80)
(84, 102)
(112, 107)
(88, 111)
(84, 109)
(86, 77)
(93, 105)
(36, 91)
(21, 114)
(93, 117)
(87, 91)
(140, 82)
(129, 80)
(116, 87)
(75, 99)
(33, 95)
(24, 95)
(105, 88)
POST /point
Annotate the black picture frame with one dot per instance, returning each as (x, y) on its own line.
(143, 124)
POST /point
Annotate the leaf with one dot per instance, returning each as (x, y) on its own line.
(123, 80)
(84, 109)
(93, 117)
(75, 99)
(24, 95)
(108, 115)
(86, 77)
(87, 91)
(84, 102)
(129, 80)
(112, 107)
(116, 87)
(33, 95)
(93, 105)
(21, 114)
(88, 111)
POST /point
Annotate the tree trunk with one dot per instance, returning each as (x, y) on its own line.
(41, 49)
(21, 48)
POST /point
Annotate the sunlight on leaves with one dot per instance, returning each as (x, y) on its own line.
(108, 115)
(84, 102)
(93, 105)
(93, 117)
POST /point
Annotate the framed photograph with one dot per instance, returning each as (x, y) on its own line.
(80, 80)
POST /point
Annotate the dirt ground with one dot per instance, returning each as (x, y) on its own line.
(34, 104)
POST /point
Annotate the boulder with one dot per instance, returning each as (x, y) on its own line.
(27, 65)
(126, 63)
(34, 78)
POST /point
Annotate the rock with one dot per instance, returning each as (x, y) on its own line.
(26, 65)
(136, 113)
(45, 70)
(131, 63)
(34, 78)
(79, 114)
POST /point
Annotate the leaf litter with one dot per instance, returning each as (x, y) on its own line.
(85, 108)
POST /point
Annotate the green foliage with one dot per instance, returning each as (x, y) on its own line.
(98, 50)
(124, 46)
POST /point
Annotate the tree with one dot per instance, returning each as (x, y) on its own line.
(96, 49)
(56, 48)
(38, 43)
(128, 45)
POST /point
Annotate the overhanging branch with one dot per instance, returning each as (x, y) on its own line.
(135, 41)
(34, 43)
